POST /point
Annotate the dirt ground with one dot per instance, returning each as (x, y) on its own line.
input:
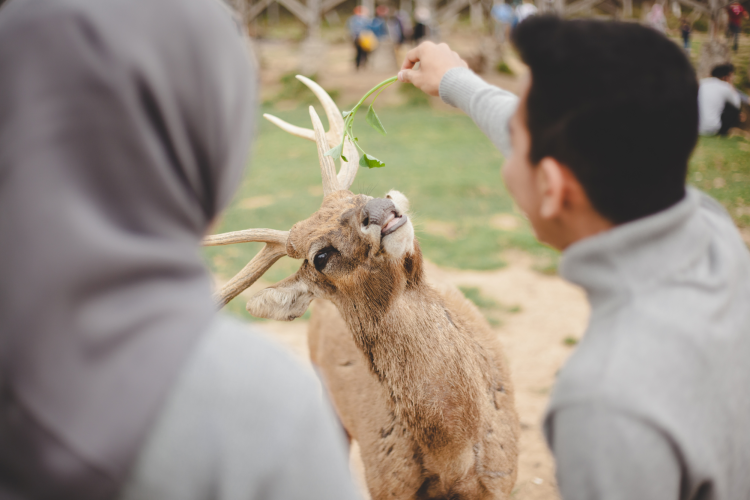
(549, 311)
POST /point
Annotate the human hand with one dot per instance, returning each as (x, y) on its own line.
(434, 61)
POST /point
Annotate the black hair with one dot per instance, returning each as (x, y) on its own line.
(722, 70)
(617, 104)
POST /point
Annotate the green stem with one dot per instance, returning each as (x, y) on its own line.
(348, 129)
(349, 121)
(372, 90)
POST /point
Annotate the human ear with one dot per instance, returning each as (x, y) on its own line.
(551, 187)
(286, 300)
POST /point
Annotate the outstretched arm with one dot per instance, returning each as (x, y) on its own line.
(442, 72)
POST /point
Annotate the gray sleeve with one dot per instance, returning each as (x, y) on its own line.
(602, 454)
(490, 107)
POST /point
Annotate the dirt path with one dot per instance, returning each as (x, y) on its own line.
(550, 311)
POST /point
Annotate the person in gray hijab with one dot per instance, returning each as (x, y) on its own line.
(124, 129)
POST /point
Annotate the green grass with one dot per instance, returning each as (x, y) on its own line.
(570, 341)
(490, 308)
(721, 168)
(480, 300)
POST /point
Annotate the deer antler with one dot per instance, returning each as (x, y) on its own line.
(275, 241)
(348, 170)
(274, 249)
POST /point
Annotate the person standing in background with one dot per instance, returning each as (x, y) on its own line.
(736, 14)
(685, 30)
(378, 25)
(656, 18)
(525, 10)
(362, 36)
(504, 17)
(421, 23)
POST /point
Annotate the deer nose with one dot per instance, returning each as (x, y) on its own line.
(376, 211)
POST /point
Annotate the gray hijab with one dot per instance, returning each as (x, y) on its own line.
(124, 128)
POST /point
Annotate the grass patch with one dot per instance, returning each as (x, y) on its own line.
(480, 300)
(414, 96)
(721, 168)
(570, 341)
(504, 69)
(491, 309)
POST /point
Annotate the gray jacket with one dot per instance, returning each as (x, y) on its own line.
(655, 402)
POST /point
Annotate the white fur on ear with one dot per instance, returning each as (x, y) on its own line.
(398, 199)
(285, 301)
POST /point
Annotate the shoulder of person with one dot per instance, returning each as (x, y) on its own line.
(246, 359)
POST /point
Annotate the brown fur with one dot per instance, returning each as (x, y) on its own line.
(414, 371)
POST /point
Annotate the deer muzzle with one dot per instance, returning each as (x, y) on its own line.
(383, 212)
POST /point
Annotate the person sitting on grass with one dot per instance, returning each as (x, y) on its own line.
(654, 403)
(719, 102)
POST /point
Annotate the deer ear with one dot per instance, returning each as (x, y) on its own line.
(286, 300)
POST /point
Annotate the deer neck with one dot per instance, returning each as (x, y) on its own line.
(420, 351)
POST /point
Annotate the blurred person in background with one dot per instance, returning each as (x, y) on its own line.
(124, 130)
(525, 10)
(686, 29)
(421, 23)
(393, 26)
(719, 102)
(656, 18)
(654, 402)
(378, 24)
(364, 39)
(504, 17)
(736, 14)
(407, 26)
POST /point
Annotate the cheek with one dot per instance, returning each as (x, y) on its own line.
(519, 180)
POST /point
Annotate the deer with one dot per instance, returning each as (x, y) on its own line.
(414, 372)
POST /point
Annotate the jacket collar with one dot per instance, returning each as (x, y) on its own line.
(635, 255)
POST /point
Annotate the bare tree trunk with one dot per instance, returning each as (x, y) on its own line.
(627, 9)
(313, 22)
(476, 14)
(713, 53)
(370, 6)
(273, 13)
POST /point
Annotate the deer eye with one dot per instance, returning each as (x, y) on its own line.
(321, 258)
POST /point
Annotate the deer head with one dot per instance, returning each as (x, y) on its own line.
(353, 246)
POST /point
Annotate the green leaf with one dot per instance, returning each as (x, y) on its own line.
(370, 161)
(344, 157)
(346, 113)
(374, 121)
(335, 152)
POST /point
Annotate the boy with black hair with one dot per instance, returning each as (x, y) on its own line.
(719, 102)
(654, 403)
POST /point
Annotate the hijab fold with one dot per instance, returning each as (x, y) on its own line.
(124, 129)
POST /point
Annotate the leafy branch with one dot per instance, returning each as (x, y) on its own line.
(365, 160)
